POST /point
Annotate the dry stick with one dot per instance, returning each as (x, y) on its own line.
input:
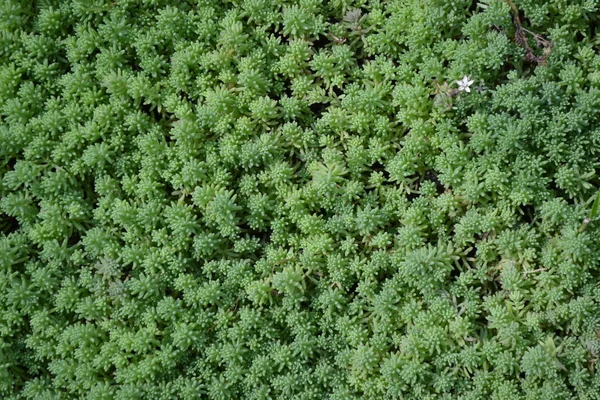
(515, 10)
(521, 39)
(535, 270)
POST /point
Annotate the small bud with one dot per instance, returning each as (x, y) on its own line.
(584, 224)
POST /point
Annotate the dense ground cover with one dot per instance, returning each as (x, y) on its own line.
(271, 199)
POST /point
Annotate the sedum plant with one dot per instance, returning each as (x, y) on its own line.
(346, 199)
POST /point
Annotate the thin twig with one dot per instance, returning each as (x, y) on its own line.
(535, 270)
(521, 38)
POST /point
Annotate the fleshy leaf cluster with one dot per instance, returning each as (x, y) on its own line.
(274, 199)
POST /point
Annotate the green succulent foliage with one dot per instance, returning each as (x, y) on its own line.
(254, 199)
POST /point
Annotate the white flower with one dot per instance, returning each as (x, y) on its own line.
(465, 83)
